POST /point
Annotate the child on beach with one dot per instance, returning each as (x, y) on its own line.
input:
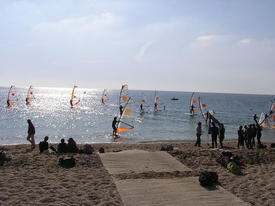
(31, 133)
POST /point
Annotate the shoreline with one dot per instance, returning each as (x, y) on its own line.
(34, 178)
(125, 140)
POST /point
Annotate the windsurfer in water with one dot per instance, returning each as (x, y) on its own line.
(141, 108)
(27, 101)
(71, 103)
(114, 123)
(121, 109)
(192, 109)
(156, 106)
(8, 103)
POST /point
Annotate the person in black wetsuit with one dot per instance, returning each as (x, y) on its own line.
(241, 137)
(120, 109)
(198, 133)
(114, 125)
(214, 135)
(221, 135)
(192, 109)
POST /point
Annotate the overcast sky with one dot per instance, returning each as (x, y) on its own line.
(179, 45)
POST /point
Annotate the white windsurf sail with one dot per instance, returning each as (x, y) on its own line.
(74, 99)
(268, 120)
(125, 122)
(203, 109)
(194, 104)
(30, 95)
(123, 95)
(105, 97)
(11, 96)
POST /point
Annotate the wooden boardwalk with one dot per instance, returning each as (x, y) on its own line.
(160, 192)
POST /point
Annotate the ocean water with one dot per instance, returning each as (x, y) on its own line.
(90, 121)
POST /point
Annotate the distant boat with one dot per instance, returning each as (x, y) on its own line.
(174, 98)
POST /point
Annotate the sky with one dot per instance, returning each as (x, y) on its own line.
(177, 45)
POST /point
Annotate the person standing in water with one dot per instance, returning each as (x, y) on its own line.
(31, 133)
(199, 133)
(121, 109)
(192, 109)
(114, 123)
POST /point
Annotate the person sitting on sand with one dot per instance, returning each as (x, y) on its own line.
(44, 146)
(62, 147)
(71, 146)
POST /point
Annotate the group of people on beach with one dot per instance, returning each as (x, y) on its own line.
(247, 135)
(62, 147)
(215, 133)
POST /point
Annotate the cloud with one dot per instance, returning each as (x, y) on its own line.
(79, 25)
(207, 38)
(142, 51)
(245, 41)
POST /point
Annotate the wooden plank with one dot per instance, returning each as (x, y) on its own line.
(139, 161)
(177, 191)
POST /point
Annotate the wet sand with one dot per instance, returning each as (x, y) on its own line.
(31, 178)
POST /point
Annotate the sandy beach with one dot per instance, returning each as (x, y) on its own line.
(31, 178)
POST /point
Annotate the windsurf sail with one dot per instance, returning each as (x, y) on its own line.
(194, 104)
(268, 120)
(30, 95)
(124, 122)
(74, 99)
(104, 97)
(158, 106)
(123, 95)
(203, 109)
(11, 96)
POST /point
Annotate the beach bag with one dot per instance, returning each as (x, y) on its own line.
(87, 149)
(167, 148)
(67, 162)
(234, 168)
(208, 178)
(261, 146)
(101, 150)
(228, 154)
(2, 157)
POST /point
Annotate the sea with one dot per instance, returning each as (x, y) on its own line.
(91, 122)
